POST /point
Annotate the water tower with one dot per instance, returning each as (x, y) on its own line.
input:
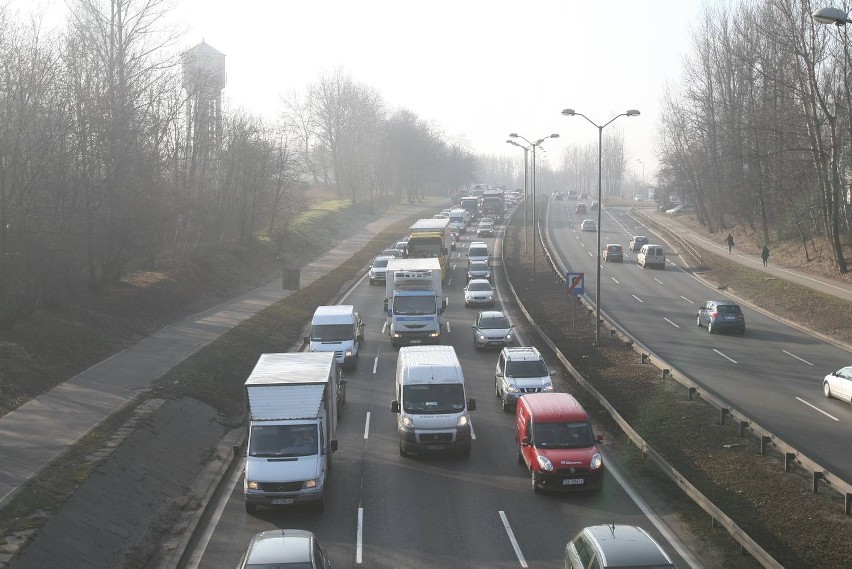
(203, 79)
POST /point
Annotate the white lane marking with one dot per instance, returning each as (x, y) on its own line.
(385, 327)
(637, 298)
(590, 254)
(658, 280)
(686, 299)
(818, 409)
(454, 266)
(797, 357)
(670, 322)
(724, 356)
(360, 538)
(448, 327)
(472, 434)
(367, 427)
(514, 541)
(449, 281)
(616, 282)
(447, 300)
(375, 364)
(581, 243)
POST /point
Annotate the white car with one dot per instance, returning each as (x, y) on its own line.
(479, 292)
(589, 225)
(838, 384)
(485, 229)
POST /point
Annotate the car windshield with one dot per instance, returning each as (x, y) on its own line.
(380, 263)
(433, 398)
(728, 309)
(614, 248)
(414, 305)
(531, 368)
(478, 266)
(562, 435)
(494, 322)
(331, 332)
(478, 252)
(283, 440)
(479, 286)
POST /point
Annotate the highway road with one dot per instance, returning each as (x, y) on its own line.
(384, 510)
(773, 374)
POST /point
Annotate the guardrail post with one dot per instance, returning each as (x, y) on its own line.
(723, 412)
(236, 450)
(789, 459)
(764, 442)
(848, 505)
(690, 391)
(643, 358)
(666, 372)
(612, 332)
(743, 427)
(817, 477)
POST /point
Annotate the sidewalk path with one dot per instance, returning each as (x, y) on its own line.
(42, 429)
(825, 285)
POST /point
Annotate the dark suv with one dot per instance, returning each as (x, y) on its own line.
(721, 315)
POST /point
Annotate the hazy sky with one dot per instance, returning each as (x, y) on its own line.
(479, 69)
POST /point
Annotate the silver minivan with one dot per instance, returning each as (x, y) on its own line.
(651, 255)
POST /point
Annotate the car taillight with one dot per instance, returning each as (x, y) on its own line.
(714, 315)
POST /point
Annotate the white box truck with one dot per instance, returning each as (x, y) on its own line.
(431, 404)
(337, 329)
(292, 401)
(414, 301)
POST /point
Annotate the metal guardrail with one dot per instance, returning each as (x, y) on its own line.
(745, 541)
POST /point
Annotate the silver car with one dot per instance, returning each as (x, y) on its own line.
(478, 270)
(479, 292)
(521, 370)
(492, 328)
(615, 545)
(379, 268)
(838, 384)
(285, 548)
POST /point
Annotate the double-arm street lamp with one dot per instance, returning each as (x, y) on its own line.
(526, 151)
(834, 16)
(571, 113)
(533, 145)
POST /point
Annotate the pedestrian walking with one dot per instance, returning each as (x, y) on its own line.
(730, 241)
(765, 255)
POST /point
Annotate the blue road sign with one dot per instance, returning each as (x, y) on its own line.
(576, 283)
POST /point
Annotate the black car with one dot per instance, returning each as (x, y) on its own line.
(721, 315)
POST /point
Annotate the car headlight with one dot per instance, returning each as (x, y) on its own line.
(408, 421)
(480, 336)
(544, 463)
(348, 353)
(310, 483)
(435, 334)
(548, 387)
(511, 388)
(596, 462)
(463, 421)
(509, 337)
(252, 485)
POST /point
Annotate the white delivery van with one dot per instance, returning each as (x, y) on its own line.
(478, 251)
(337, 329)
(431, 403)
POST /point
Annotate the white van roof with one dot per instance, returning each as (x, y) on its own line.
(428, 364)
(335, 314)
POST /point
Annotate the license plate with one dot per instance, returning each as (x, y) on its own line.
(572, 481)
(415, 341)
(281, 501)
(435, 447)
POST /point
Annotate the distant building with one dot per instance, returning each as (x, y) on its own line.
(203, 80)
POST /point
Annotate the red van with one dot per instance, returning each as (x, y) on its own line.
(556, 442)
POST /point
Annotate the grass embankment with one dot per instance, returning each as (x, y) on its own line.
(215, 374)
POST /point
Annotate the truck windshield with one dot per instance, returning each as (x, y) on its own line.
(562, 435)
(427, 398)
(283, 440)
(424, 248)
(414, 305)
(331, 332)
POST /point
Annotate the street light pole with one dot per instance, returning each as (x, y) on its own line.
(526, 151)
(571, 113)
(533, 146)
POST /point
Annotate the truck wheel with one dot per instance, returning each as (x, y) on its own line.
(251, 508)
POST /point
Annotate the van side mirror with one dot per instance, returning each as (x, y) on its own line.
(553, 372)
(395, 406)
(599, 438)
(525, 442)
(332, 445)
(471, 404)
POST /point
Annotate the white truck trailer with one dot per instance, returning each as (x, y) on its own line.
(292, 401)
(414, 301)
